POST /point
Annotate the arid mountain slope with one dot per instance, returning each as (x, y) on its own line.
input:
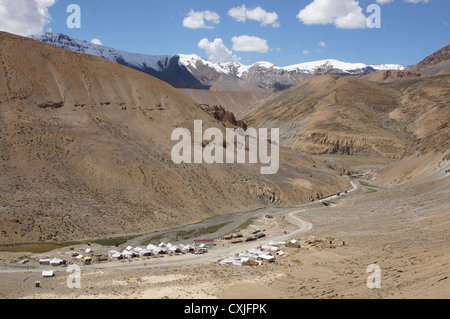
(390, 76)
(434, 63)
(348, 115)
(85, 153)
(332, 115)
(431, 65)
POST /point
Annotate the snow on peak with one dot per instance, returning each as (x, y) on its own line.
(191, 61)
(137, 60)
(383, 67)
(330, 63)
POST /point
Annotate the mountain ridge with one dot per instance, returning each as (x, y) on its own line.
(194, 72)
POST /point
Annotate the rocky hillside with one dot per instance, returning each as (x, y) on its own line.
(436, 62)
(432, 65)
(348, 115)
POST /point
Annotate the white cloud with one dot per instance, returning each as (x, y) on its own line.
(96, 41)
(200, 19)
(322, 44)
(245, 43)
(305, 52)
(344, 14)
(241, 14)
(25, 17)
(384, 1)
(217, 51)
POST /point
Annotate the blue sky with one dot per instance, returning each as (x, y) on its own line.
(283, 32)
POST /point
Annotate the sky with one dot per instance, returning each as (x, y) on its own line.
(284, 32)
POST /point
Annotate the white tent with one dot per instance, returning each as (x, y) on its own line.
(137, 250)
(145, 252)
(175, 249)
(267, 257)
(44, 261)
(47, 273)
(281, 244)
(56, 261)
(152, 247)
(129, 248)
(280, 253)
(160, 250)
(79, 257)
(272, 243)
(127, 254)
(88, 250)
(116, 255)
(226, 261)
(188, 248)
(162, 245)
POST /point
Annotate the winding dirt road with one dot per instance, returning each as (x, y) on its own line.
(218, 252)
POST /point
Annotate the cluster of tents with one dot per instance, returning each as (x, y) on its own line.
(152, 250)
(257, 255)
(52, 262)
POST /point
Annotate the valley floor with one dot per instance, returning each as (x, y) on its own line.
(404, 230)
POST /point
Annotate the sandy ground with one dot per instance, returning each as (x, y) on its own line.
(404, 231)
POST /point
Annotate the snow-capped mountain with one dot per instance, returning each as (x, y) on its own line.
(192, 71)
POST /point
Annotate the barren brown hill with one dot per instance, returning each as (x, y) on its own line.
(85, 153)
(431, 65)
(434, 63)
(348, 115)
(389, 76)
(332, 115)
